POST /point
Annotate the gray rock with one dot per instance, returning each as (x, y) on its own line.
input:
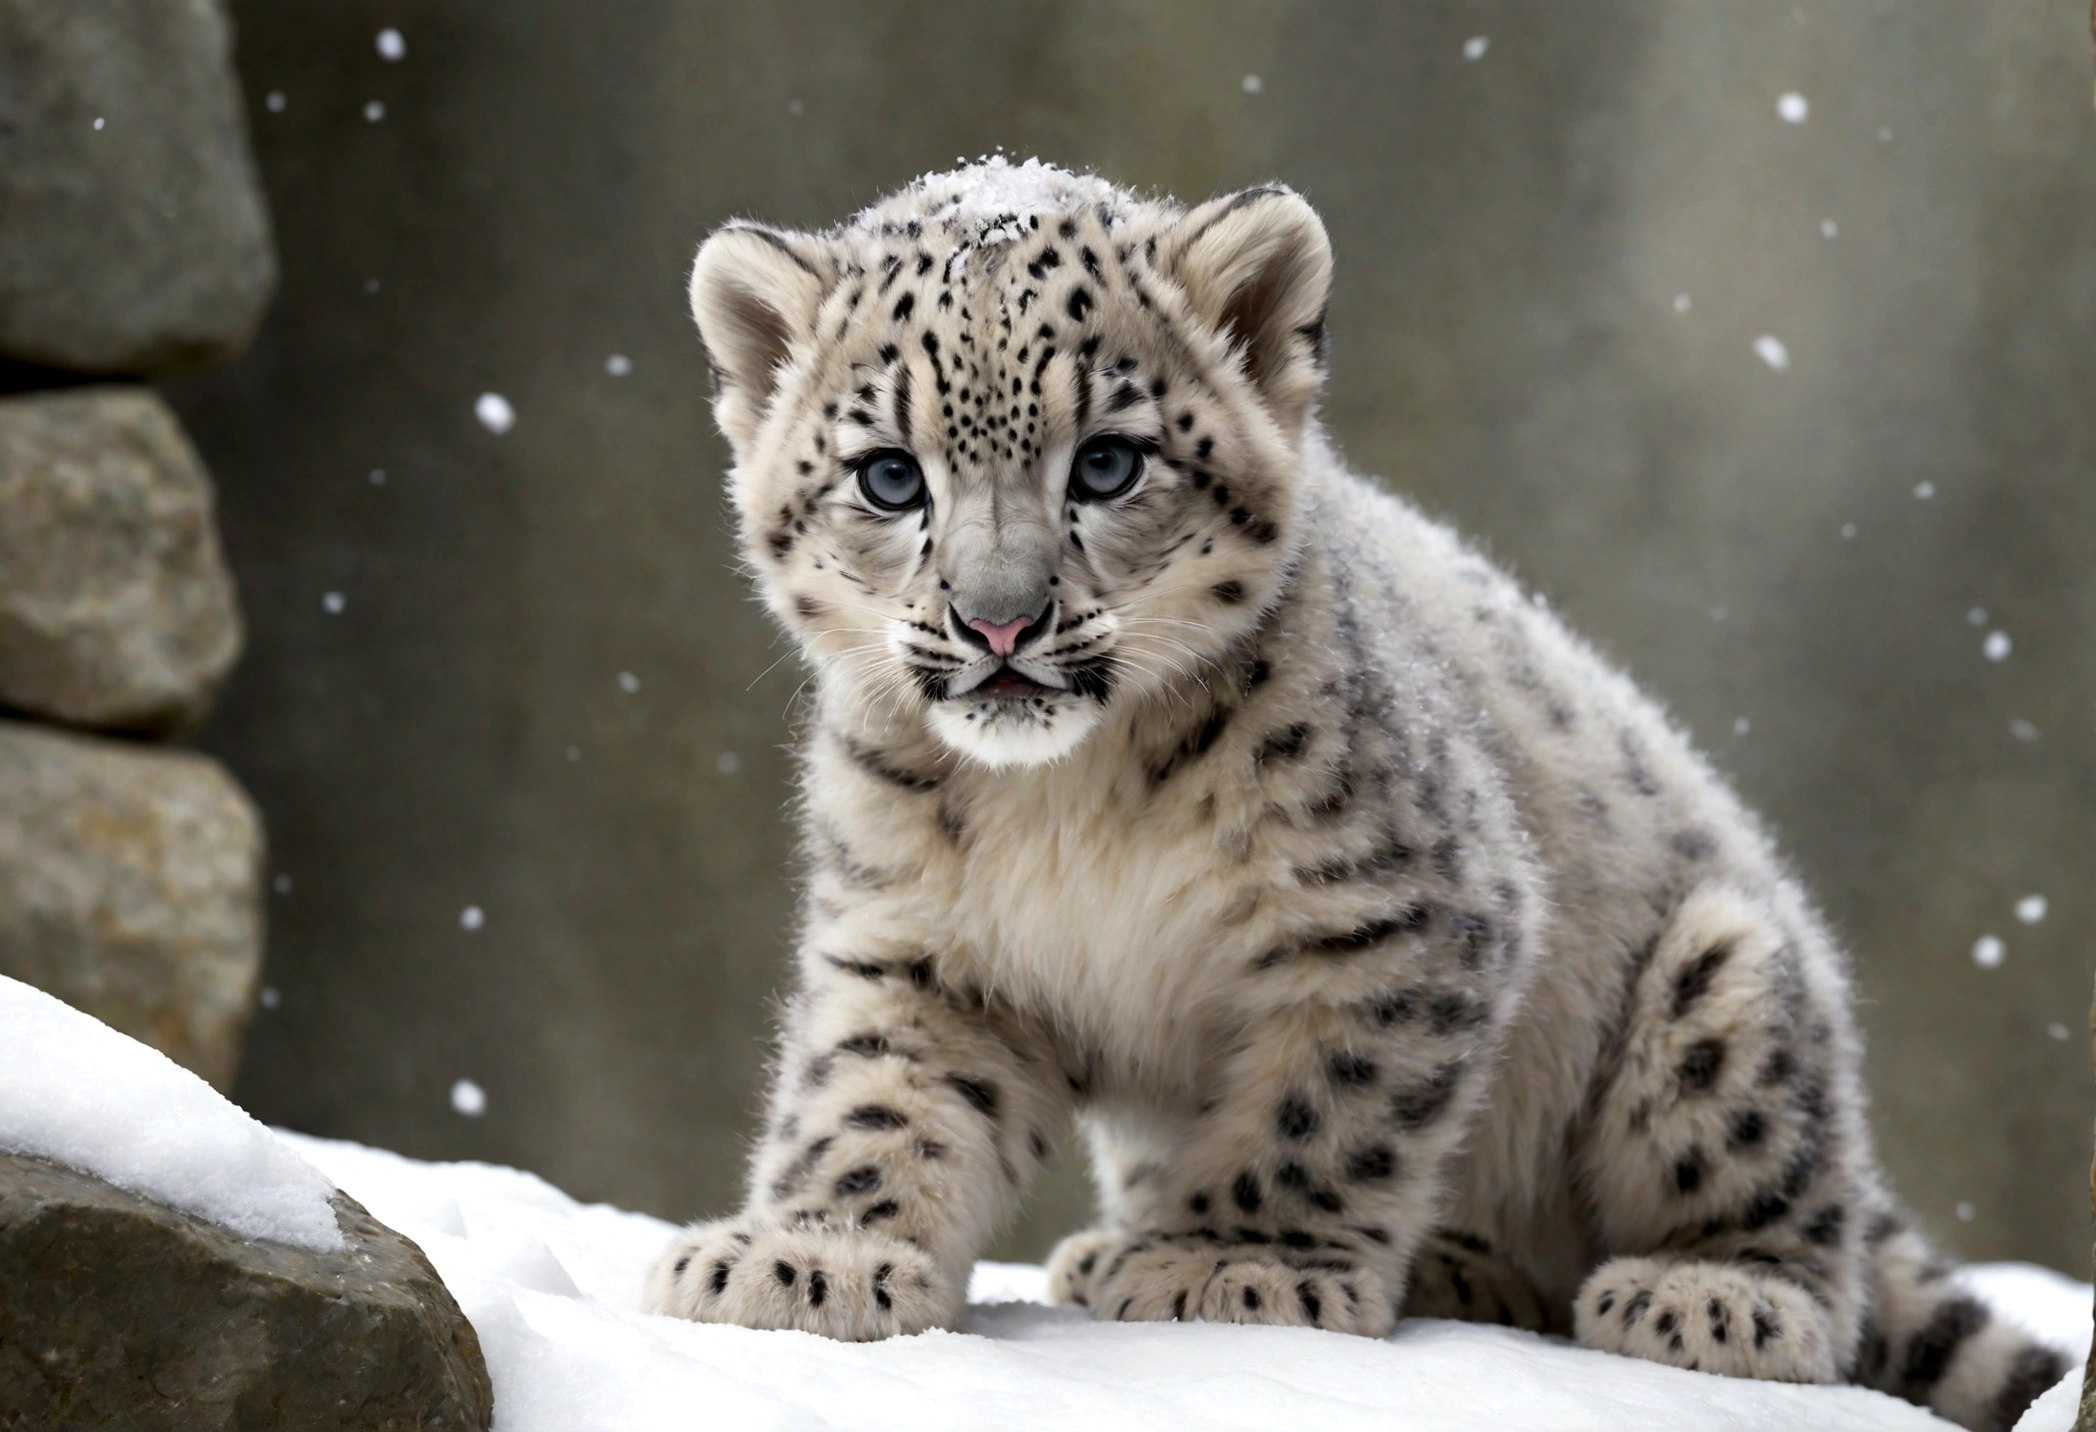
(116, 609)
(116, 1311)
(131, 888)
(142, 246)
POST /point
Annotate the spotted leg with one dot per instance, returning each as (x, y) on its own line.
(1724, 1179)
(904, 1124)
(1299, 1195)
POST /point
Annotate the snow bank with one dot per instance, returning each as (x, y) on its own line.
(553, 1285)
(74, 1091)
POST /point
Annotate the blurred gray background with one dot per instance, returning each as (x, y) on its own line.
(517, 675)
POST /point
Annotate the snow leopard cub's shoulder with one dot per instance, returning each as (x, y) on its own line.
(1393, 952)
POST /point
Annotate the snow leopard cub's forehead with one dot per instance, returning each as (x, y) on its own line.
(993, 202)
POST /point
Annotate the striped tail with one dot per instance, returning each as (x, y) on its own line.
(1935, 1344)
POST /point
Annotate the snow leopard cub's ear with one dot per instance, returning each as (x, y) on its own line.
(1257, 265)
(754, 292)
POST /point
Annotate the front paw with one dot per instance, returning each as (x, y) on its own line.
(847, 1284)
(1156, 1279)
(1707, 1317)
(1074, 1261)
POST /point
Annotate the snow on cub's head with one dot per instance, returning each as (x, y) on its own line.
(1015, 448)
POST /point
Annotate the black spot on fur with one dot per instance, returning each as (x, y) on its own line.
(1370, 1165)
(1448, 1013)
(1230, 593)
(1825, 1226)
(863, 1179)
(1763, 1209)
(1693, 844)
(1635, 1309)
(875, 764)
(783, 1271)
(1284, 745)
(1363, 937)
(1635, 770)
(1350, 1070)
(1414, 1108)
(1245, 1193)
(818, 1288)
(1929, 1355)
(1766, 1327)
(2031, 1375)
(1078, 304)
(1198, 1203)
(880, 1284)
(875, 1116)
(1688, 1172)
(903, 306)
(880, 1212)
(981, 1096)
(1251, 1297)
(1700, 1065)
(864, 1045)
(1883, 1225)
(1296, 1119)
(1313, 1309)
(1747, 1129)
(1695, 978)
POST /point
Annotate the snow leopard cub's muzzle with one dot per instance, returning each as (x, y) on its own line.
(1024, 663)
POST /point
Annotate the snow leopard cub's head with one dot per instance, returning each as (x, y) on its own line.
(1015, 448)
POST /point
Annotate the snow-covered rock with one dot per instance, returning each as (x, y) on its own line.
(166, 1261)
(76, 1092)
(140, 1316)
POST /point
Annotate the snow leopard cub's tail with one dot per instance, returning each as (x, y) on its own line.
(1932, 1342)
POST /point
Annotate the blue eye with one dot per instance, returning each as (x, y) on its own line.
(1105, 467)
(891, 481)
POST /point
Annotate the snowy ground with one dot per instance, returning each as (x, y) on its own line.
(552, 1286)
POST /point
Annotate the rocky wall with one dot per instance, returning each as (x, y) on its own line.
(135, 243)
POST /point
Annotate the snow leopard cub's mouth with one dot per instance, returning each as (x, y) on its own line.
(1010, 684)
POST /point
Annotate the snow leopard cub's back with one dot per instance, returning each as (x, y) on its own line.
(1394, 953)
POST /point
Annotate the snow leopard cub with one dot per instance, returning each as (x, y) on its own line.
(1393, 952)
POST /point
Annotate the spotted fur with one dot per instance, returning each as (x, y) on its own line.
(1391, 950)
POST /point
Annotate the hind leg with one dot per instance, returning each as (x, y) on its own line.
(1726, 1160)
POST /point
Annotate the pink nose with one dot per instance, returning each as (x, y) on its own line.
(1004, 640)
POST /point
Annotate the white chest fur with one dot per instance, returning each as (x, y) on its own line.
(1113, 917)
